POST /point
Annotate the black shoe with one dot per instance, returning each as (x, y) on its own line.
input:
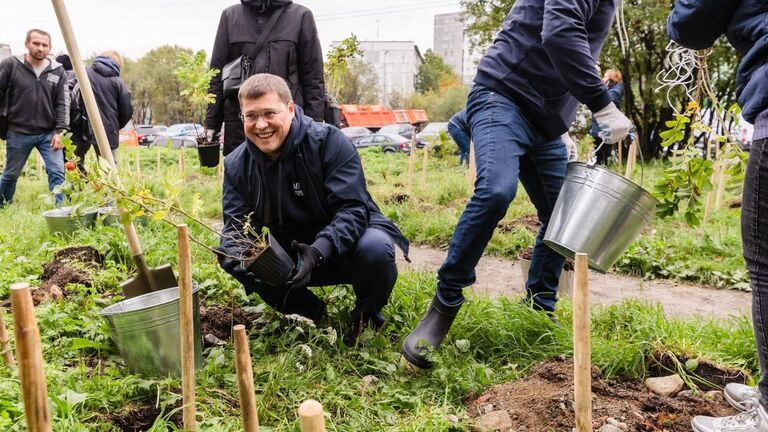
(432, 330)
(359, 322)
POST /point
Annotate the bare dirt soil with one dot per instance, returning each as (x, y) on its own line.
(542, 401)
(218, 320)
(501, 277)
(139, 418)
(69, 265)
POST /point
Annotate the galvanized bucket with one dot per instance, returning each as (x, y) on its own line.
(62, 221)
(598, 212)
(147, 332)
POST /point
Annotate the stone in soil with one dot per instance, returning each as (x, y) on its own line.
(542, 401)
(218, 320)
(669, 385)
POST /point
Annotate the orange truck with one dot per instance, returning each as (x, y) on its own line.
(376, 116)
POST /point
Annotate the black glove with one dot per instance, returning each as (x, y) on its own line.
(310, 258)
(231, 265)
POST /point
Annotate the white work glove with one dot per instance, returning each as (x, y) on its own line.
(614, 126)
(573, 151)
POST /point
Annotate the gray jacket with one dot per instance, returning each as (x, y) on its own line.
(37, 105)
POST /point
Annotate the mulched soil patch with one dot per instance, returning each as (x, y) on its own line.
(542, 401)
(707, 375)
(218, 320)
(69, 265)
(139, 418)
(530, 222)
(397, 198)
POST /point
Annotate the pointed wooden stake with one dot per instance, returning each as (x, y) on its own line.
(30, 353)
(186, 312)
(244, 370)
(5, 342)
(582, 348)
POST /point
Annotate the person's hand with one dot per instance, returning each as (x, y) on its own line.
(614, 126)
(230, 264)
(56, 142)
(310, 258)
(573, 151)
(212, 136)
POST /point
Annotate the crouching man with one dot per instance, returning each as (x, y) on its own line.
(303, 180)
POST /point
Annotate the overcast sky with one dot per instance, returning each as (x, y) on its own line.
(135, 27)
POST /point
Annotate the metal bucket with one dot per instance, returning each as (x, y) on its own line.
(62, 221)
(147, 332)
(598, 212)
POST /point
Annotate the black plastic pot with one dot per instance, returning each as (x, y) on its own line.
(273, 265)
(208, 153)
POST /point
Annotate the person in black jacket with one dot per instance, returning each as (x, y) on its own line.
(36, 91)
(697, 24)
(113, 99)
(527, 88)
(303, 181)
(291, 51)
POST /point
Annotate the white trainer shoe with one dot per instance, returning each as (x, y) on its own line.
(742, 397)
(754, 420)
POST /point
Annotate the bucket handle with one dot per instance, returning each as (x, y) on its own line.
(592, 159)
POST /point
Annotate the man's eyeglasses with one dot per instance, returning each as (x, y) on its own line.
(252, 118)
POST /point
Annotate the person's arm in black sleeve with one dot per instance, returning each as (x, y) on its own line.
(214, 115)
(61, 103)
(5, 77)
(310, 59)
(236, 212)
(697, 24)
(564, 36)
(344, 186)
(124, 104)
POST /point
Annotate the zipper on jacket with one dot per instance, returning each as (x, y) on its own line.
(312, 187)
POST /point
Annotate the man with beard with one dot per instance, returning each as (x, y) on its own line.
(303, 180)
(291, 50)
(35, 89)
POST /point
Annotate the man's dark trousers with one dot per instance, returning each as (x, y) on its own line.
(370, 268)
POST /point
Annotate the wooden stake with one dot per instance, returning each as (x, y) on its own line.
(181, 163)
(138, 163)
(39, 165)
(631, 159)
(411, 165)
(621, 150)
(220, 172)
(582, 378)
(311, 416)
(5, 341)
(187, 330)
(244, 370)
(472, 168)
(720, 187)
(30, 354)
(157, 168)
(424, 166)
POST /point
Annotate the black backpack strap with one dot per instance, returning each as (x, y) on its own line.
(265, 34)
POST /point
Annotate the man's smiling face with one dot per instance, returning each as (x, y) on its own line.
(267, 121)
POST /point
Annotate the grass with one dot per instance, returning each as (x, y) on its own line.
(492, 341)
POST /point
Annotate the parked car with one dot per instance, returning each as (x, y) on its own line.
(175, 142)
(148, 133)
(429, 133)
(353, 132)
(402, 129)
(390, 143)
(183, 129)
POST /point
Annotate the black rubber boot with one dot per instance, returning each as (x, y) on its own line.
(431, 330)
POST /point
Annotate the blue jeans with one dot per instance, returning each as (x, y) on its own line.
(754, 237)
(507, 149)
(19, 148)
(462, 141)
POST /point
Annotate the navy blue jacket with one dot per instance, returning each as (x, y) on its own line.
(314, 192)
(696, 24)
(113, 99)
(616, 92)
(544, 59)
